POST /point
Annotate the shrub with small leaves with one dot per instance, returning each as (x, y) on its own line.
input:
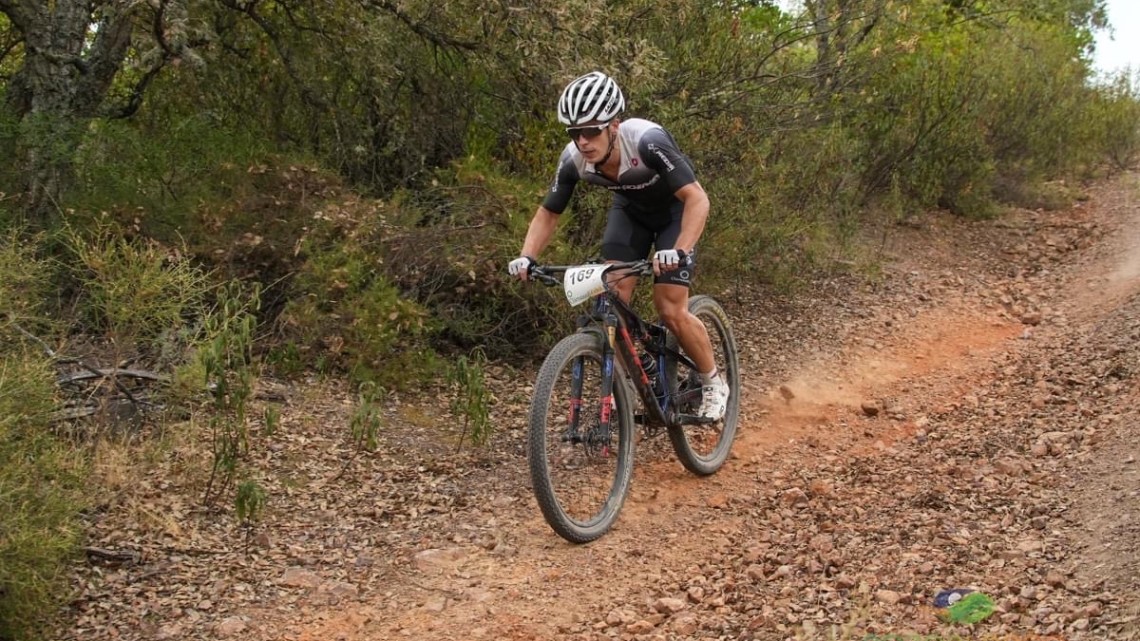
(249, 501)
(365, 422)
(132, 290)
(472, 399)
(272, 417)
(41, 495)
(227, 360)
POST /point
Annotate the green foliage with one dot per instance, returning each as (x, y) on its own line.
(365, 423)
(272, 419)
(164, 163)
(1114, 123)
(349, 317)
(133, 290)
(472, 399)
(41, 494)
(229, 368)
(25, 282)
(454, 241)
(249, 501)
(972, 608)
(41, 479)
(1036, 96)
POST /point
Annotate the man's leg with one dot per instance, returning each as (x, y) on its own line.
(624, 240)
(672, 303)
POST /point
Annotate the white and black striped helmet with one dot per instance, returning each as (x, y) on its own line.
(592, 97)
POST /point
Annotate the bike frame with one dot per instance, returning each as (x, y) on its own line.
(624, 331)
(621, 330)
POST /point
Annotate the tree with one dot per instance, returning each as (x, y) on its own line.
(66, 63)
(68, 55)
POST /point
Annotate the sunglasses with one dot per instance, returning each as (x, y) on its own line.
(589, 133)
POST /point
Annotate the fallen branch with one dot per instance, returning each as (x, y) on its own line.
(92, 373)
(89, 372)
(112, 556)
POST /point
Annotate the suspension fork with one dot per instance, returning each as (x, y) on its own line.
(578, 375)
(609, 323)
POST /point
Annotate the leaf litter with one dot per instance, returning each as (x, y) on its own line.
(1007, 396)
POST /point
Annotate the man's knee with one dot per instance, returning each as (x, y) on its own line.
(672, 313)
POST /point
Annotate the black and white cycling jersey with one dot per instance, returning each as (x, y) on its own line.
(652, 169)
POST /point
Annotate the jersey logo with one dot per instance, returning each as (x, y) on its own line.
(660, 154)
(633, 161)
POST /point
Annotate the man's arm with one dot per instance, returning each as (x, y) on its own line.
(539, 233)
(695, 214)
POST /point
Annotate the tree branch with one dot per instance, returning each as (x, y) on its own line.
(104, 60)
(249, 9)
(22, 14)
(419, 28)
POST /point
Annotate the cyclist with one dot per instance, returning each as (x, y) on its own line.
(657, 202)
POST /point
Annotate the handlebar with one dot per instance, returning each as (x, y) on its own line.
(546, 274)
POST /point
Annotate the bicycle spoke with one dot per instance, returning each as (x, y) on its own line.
(580, 468)
(703, 446)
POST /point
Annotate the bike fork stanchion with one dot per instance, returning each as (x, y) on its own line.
(577, 373)
(607, 400)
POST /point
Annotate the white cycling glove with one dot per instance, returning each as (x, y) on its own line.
(671, 258)
(520, 266)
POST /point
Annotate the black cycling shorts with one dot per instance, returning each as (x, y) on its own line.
(630, 238)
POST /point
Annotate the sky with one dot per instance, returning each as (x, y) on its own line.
(1121, 48)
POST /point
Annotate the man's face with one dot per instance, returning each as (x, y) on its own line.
(593, 139)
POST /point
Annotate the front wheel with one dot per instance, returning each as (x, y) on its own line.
(580, 469)
(703, 447)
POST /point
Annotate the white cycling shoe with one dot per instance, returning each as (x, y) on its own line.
(714, 400)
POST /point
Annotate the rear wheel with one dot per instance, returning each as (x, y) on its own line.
(703, 447)
(579, 470)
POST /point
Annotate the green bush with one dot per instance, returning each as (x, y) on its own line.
(1036, 101)
(449, 245)
(164, 163)
(41, 484)
(1115, 120)
(347, 316)
(40, 478)
(226, 359)
(471, 398)
(132, 290)
(26, 282)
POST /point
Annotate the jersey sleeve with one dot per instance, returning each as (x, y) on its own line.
(563, 186)
(661, 153)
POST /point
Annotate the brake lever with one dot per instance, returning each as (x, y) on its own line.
(543, 277)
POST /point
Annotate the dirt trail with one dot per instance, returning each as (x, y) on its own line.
(676, 525)
(826, 522)
(544, 586)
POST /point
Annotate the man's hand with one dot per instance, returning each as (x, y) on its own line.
(520, 267)
(667, 260)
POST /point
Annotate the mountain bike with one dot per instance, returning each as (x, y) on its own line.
(618, 370)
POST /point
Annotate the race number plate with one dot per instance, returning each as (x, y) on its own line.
(584, 282)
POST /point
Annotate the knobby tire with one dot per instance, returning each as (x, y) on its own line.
(703, 448)
(580, 488)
